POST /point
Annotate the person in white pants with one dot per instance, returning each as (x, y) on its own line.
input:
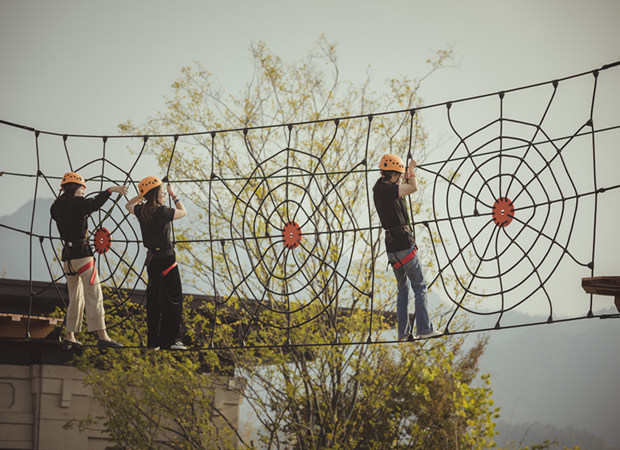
(70, 211)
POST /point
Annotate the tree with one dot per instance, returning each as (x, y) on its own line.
(371, 396)
(154, 399)
(356, 394)
(231, 178)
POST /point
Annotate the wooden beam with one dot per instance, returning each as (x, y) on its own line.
(16, 325)
(603, 286)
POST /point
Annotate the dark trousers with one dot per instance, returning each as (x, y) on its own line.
(164, 302)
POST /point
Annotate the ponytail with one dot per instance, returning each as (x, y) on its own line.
(386, 175)
(69, 189)
(145, 213)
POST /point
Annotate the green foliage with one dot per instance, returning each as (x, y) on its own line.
(220, 176)
(307, 394)
(153, 399)
(414, 395)
(157, 396)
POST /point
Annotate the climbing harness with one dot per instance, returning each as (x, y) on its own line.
(165, 272)
(401, 262)
(70, 244)
(84, 268)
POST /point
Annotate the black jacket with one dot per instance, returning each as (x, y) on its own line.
(71, 216)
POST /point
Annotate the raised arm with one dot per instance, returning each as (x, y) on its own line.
(410, 185)
(180, 211)
(131, 204)
(119, 189)
(93, 204)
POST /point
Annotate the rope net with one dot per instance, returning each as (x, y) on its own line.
(506, 219)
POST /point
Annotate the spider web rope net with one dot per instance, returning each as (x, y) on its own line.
(507, 216)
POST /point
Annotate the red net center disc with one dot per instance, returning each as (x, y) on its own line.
(291, 234)
(503, 212)
(102, 240)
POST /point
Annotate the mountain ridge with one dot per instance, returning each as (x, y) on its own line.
(560, 374)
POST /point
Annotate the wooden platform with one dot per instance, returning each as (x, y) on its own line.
(603, 286)
(16, 325)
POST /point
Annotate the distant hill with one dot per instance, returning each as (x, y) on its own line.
(564, 374)
(555, 376)
(15, 254)
(527, 434)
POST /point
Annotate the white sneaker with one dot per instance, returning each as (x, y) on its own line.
(429, 335)
(178, 345)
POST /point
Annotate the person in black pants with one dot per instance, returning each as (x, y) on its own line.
(164, 297)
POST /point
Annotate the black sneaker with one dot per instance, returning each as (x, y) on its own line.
(102, 343)
(68, 345)
(430, 334)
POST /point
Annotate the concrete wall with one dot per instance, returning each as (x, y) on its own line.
(37, 400)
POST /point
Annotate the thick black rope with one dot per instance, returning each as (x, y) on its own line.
(305, 256)
(309, 122)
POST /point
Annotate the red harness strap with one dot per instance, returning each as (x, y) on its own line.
(165, 272)
(87, 266)
(407, 258)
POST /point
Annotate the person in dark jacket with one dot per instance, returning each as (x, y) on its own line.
(70, 211)
(388, 196)
(164, 297)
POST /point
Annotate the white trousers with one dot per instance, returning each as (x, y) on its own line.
(83, 295)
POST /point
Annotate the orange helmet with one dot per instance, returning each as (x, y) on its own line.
(147, 184)
(392, 162)
(72, 177)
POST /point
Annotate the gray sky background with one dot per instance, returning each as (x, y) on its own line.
(84, 67)
(81, 67)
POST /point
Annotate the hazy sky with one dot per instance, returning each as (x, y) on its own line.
(84, 67)
(81, 67)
